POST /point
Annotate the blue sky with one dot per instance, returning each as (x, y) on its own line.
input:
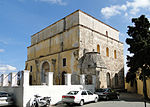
(19, 19)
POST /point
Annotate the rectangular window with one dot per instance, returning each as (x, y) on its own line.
(30, 68)
(64, 61)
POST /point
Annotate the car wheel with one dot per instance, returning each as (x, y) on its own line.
(96, 100)
(81, 103)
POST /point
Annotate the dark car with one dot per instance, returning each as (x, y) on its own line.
(107, 93)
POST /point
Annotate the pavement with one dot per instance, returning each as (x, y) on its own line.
(126, 100)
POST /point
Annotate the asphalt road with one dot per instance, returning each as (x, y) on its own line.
(126, 100)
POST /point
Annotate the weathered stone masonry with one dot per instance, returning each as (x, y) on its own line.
(60, 47)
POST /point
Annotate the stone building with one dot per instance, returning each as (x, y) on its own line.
(77, 44)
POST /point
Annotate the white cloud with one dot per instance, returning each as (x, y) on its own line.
(112, 10)
(60, 2)
(129, 8)
(2, 50)
(7, 68)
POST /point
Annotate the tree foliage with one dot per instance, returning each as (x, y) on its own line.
(139, 42)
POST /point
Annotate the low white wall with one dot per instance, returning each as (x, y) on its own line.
(55, 92)
(24, 94)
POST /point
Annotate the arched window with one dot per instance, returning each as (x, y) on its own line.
(116, 79)
(108, 80)
(63, 78)
(106, 33)
(115, 55)
(98, 48)
(107, 52)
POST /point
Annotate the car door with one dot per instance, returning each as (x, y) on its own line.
(90, 96)
(84, 96)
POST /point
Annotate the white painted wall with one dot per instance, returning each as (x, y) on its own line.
(24, 94)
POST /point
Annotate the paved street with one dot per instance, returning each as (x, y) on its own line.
(126, 100)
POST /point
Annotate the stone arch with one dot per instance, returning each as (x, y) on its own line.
(116, 80)
(108, 79)
(63, 78)
(45, 67)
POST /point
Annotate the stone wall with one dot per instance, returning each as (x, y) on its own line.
(89, 40)
(70, 38)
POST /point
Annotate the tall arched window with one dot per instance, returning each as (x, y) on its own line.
(108, 80)
(115, 55)
(107, 52)
(45, 69)
(116, 79)
(98, 48)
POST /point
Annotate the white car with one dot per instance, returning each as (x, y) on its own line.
(79, 97)
(5, 99)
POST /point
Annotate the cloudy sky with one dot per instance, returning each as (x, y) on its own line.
(19, 19)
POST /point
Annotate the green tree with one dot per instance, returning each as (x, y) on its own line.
(139, 42)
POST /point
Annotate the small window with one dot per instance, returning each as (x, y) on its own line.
(106, 33)
(98, 48)
(83, 93)
(64, 61)
(107, 52)
(30, 68)
(115, 55)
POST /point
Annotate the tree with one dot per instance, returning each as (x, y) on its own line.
(139, 42)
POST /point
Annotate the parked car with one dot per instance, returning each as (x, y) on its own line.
(79, 97)
(5, 99)
(107, 94)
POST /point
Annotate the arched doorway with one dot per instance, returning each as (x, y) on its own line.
(116, 80)
(45, 69)
(108, 80)
(63, 78)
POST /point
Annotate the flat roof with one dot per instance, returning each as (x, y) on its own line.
(71, 14)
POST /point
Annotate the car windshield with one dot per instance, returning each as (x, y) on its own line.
(100, 90)
(4, 94)
(73, 92)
